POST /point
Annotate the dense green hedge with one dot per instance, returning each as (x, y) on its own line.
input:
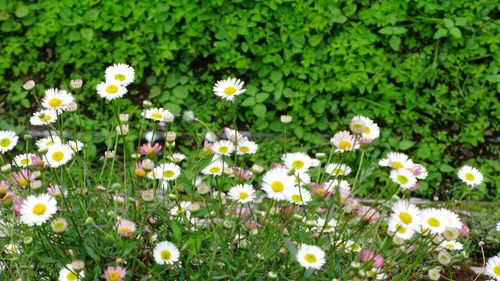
(427, 71)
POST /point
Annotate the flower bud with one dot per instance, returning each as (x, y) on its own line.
(147, 195)
(378, 261)
(89, 221)
(123, 117)
(59, 225)
(72, 106)
(28, 240)
(168, 118)
(366, 255)
(444, 257)
(434, 274)
(272, 275)
(286, 119)
(122, 130)
(257, 169)
(78, 265)
(450, 233)
(188, 116)
(203, 188)
(76, 83)
(28, 85)
(6, 168)
(147, 104)
(170, 136)
(211, 136)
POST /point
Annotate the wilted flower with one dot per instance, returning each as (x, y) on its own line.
(368, 214)
(125, 228)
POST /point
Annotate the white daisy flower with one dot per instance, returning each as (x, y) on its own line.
(337, 169)
(404, 178)
(13, 249)
(302, 179)
(57, 100)
(322, 225)
(470, 175)
(275, 182)
(233, 134)
(433, 220)
(396, 160)
(246, 147)
(121, 73)
(243, 193)
(315, 162)
(297, 161)
(493, 267)
(43, 117)
(333, 184)
(298, 195)
(24, 160)
(167, 171)
(166, 253)
(451, 219)
(215, 168)
(223, 147)
(419, 171)
(58, 155)
(399, 229)
(45, 143)
(349, 246)
(406, 213)
(344, 141)
(157, 114)
(111, 90)
(75, 145)
(310, 256)
(451, 245)
(69, 274)
(365, 127)
(8, 140)
(229, 88)
(35, 210)
(176, 157)
(371, 132)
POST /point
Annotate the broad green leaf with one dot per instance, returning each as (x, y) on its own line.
(440, 33)
(395, 42)
(406, 144)
(455, 32)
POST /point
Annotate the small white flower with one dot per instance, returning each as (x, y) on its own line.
(297, 161)
(493, 267)
(404, 178)
(396, 160)
(157, 114)
(228, 89)
(223, 147)
(36, 210)
(58, 155)
(8, 140)
(451, 245)
(399, 229)
(215, 168)
(310, 256)
(45, 143)
(69, 274)
(24, 160)
(57, 100)
(166, 253)
(43, 117)
(242, 193)
(121, 73)
(344, 141)
(275, 182)
(111, 90)
(298, 195)
(470, 175)
(337, 169)
(246, 147)
(167, 171)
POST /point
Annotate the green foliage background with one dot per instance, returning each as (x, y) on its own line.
(426, 71)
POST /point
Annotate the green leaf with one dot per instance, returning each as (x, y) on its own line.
(395, 42)
(291, 248)
(405, 144)
(276, 76)
(87, 33)
(22, 11)
(260, 110)
(448, 23)
(440, 33)
(446, 168)
(455, 32)
(91, 252)
(314, 40)
(250, 101)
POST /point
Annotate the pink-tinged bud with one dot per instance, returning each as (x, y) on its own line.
(76, 83)
(464, 230)
(366, 255)
(37, 162)
(250, 224)
(286, 119)
(368, 214)
(414, 187)
(378, 261)
(320, 211)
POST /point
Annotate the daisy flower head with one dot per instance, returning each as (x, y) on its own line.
(323, 225)
(337, 169)
(419, 171)
(310, 256)
(246, 147)
(399, 229)
(166, 253)
(298, 195)
(121, 73)
(115, 273)
(157, 114)
(75, 145)
(58, 155)
(167, 171)
(344, 141)
(228, 89)
(13, 249)
(150, 150)
(396, 160)
(365, 127)
(24, 177)
(125, 228)
(223, 147)
(176, 157)
(68, 273)
(8, 139)
(406, 213)
(57, 100)
(24, 160)
(302, 179)
(493, 267)
(111, 90)
(234, 135)
(275, 182)
(470, 175)
(45, 143)
(43, 117)
(35, 210)
(298, 161)
(242, 193)
(451, 245)
(215, 168)
(404, 178)
(451, 219)
(433, 220)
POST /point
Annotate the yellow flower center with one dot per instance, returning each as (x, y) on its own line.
(55, 102)
(401, 230)
(338, 171)
(469, 176)
(5, 142)
(277, 186)
(230, 90)
(24, 161)
(397, 165)
(120, 77)
(297, 164)
(156, 115)
(57, 156)
(243, 195)
(149, 151)
(71, 276)
(125, 230)
(165, 255)
(244, 149)
(59, 226)
(366, 130)
(320, 191)
(111, 89)
(405, 217)
(433, 222)
(402, 179)
(39, 209)
(310, 258)
(358, 126)
(296, 198)
(22, 181)
(496, 270)
(45, 117)
(355, 247)
(140, 172)
(214, 170)
(168, 174)
(342, 199)
(223, 149)
(344, 145)
(449, 246)
(113, 276)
